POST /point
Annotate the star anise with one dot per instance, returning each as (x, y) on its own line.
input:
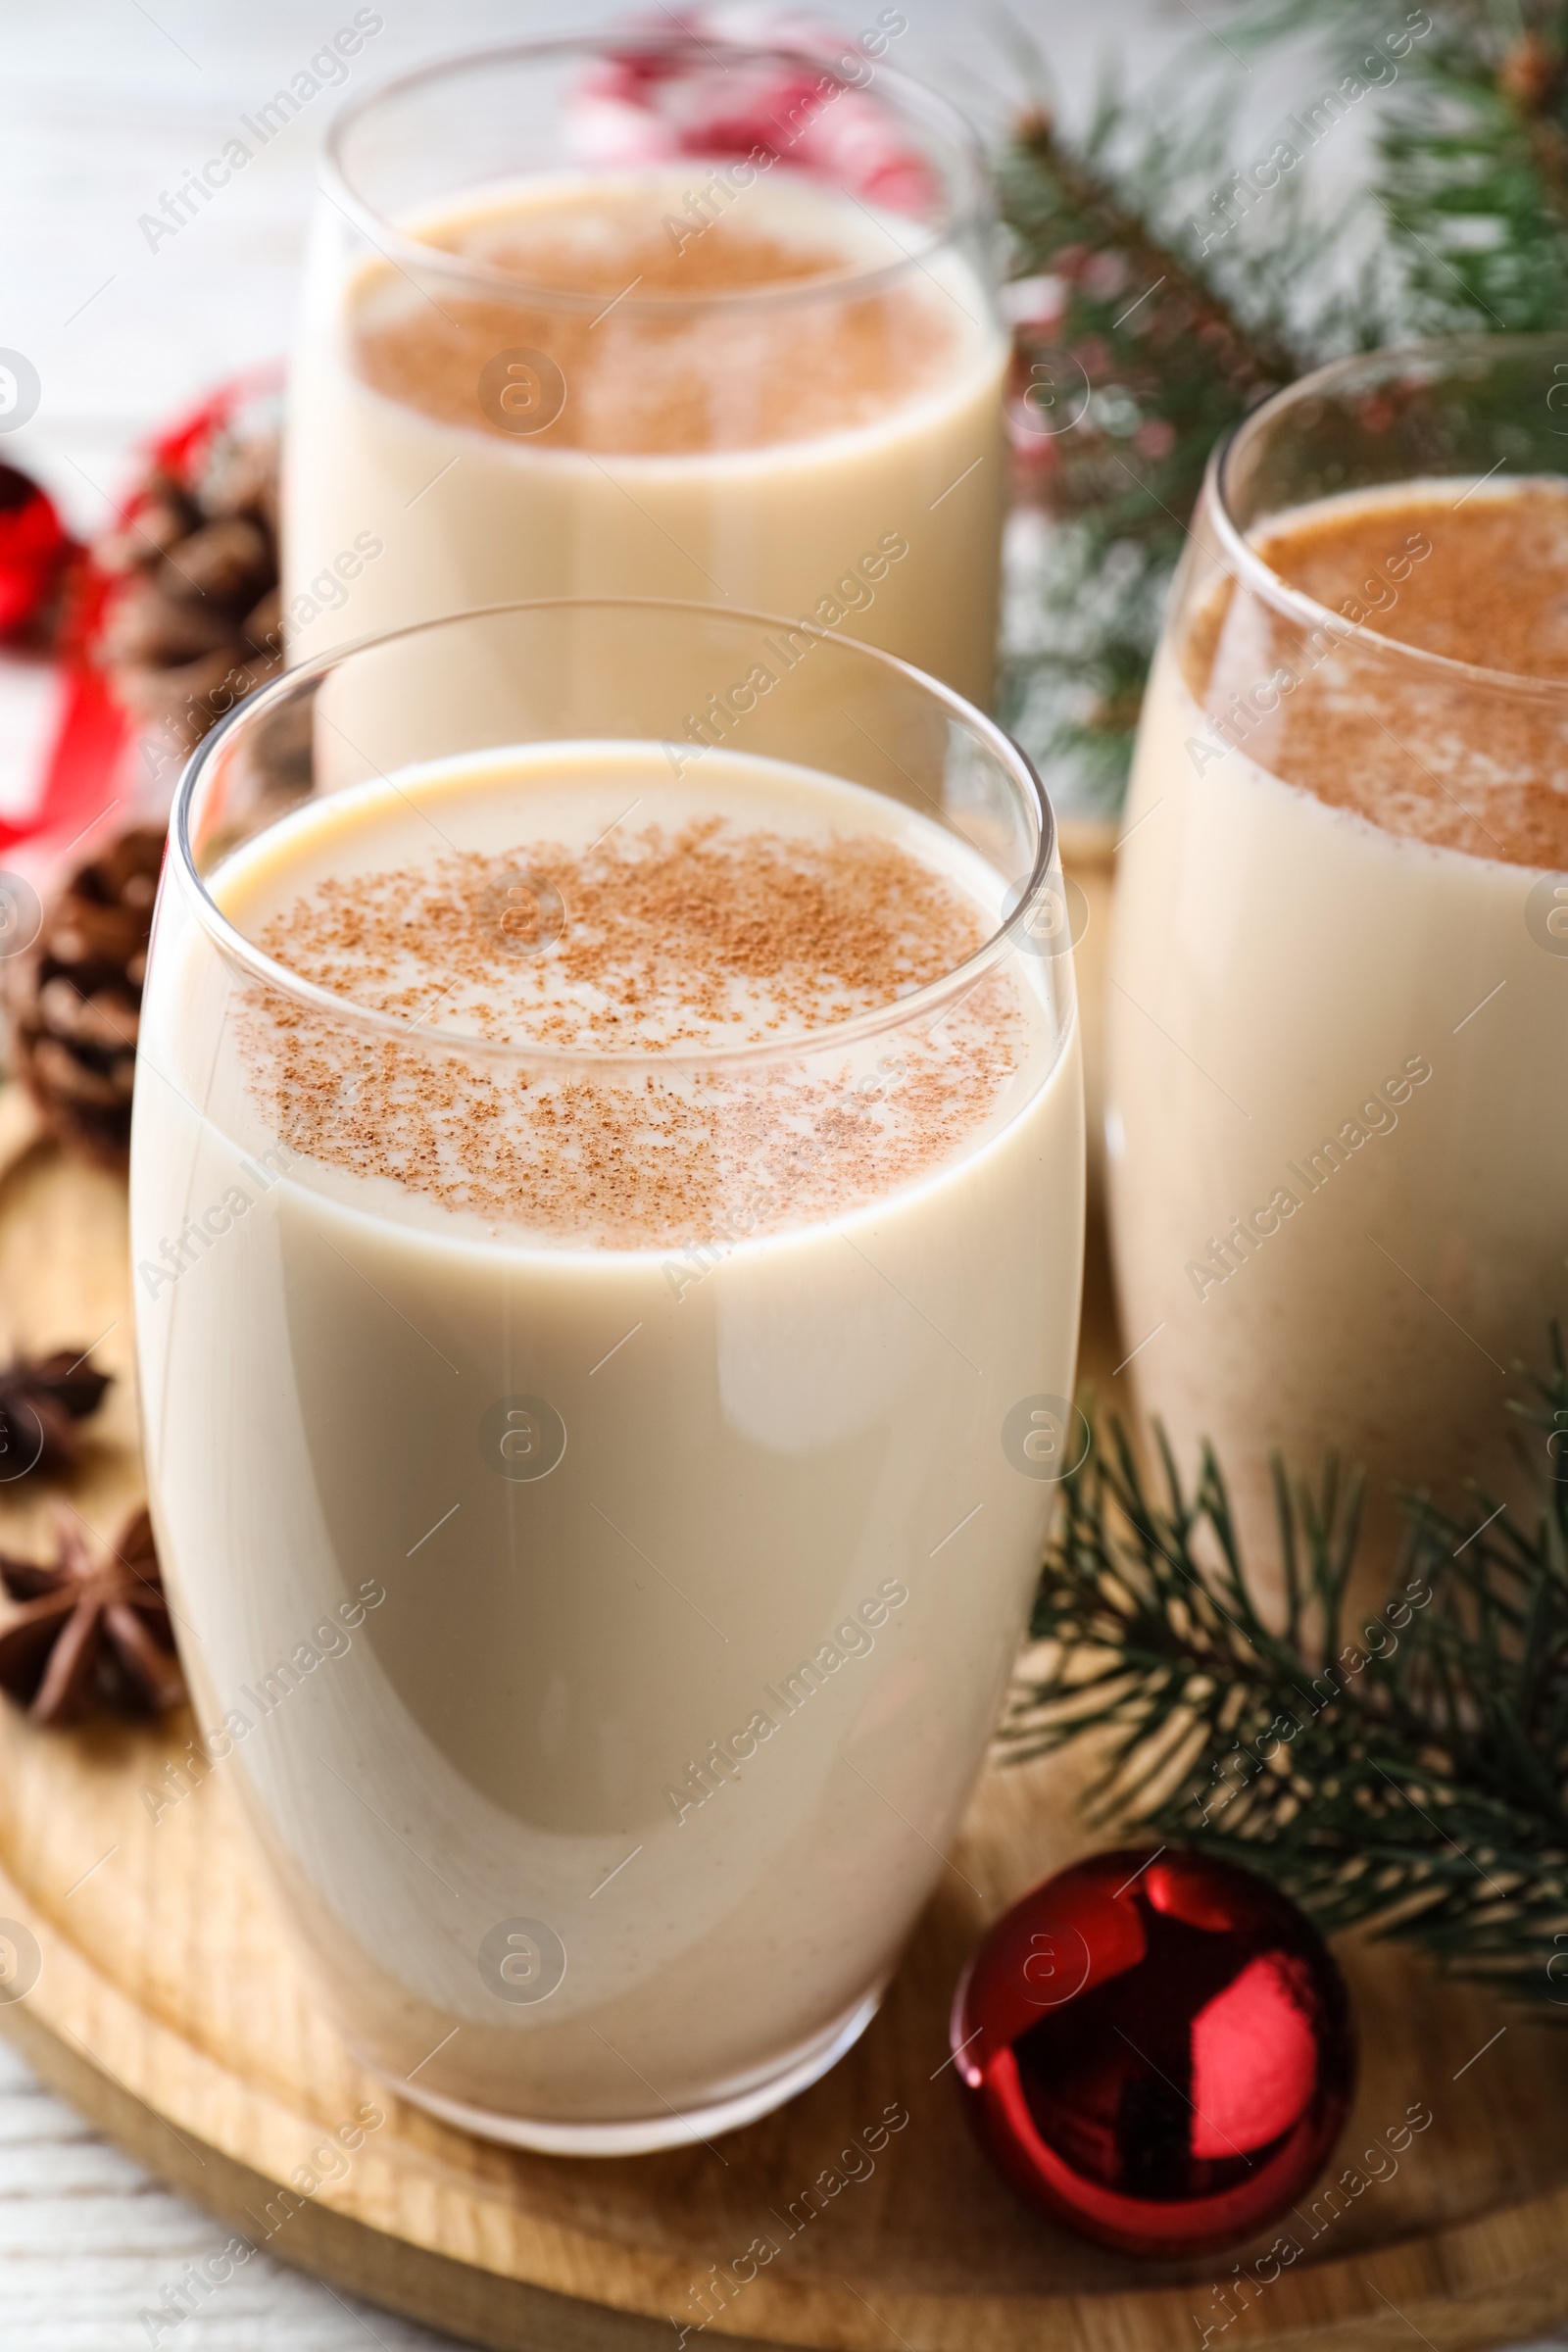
(91, 1630)
(41, 1400)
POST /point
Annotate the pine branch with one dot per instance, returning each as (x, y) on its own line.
(1147, 357)
(1406, 1769)
(1060, 200)
(1473, 176)
(1166, 333)
(1470, 181)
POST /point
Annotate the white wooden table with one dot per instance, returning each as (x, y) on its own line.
(89, 2242)
(104, 105)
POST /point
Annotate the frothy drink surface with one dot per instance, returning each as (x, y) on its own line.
(582, 903)
(1345, 1206)
(660, 1400)
(797, 407)
(691, 376)
(1479, 578)
(1489, 586)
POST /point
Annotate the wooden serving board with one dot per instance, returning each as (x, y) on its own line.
(168, 2007)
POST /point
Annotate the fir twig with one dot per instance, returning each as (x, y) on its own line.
(1168, 327)
(1123, 387)
(1405, 1768)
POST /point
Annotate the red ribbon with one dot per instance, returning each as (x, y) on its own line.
(86, 774)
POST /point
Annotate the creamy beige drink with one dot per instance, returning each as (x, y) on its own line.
(658, 1394)
(1338, 1132)
(594, 389)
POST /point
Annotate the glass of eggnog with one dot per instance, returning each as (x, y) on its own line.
(650, 315)
(1338, 1143)
(608, 1198)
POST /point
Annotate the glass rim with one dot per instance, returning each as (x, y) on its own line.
(232, 943)
(916, 96)
(1246, 563)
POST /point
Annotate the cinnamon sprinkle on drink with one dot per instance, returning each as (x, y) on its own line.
(653, 945)
(1475, 573)
(698, 375)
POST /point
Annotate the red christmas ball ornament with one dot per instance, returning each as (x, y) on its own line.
(33, 548)
(1156, 2048)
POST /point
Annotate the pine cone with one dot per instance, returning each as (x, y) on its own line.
(75, 998)
(193, 622)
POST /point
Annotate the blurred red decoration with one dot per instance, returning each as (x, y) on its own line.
(1156, 2048)
(55, 596)
(811, 105)
(34, 548)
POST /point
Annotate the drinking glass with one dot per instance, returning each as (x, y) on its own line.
(603, 1641)
(1338, 1141)
(776, 378)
